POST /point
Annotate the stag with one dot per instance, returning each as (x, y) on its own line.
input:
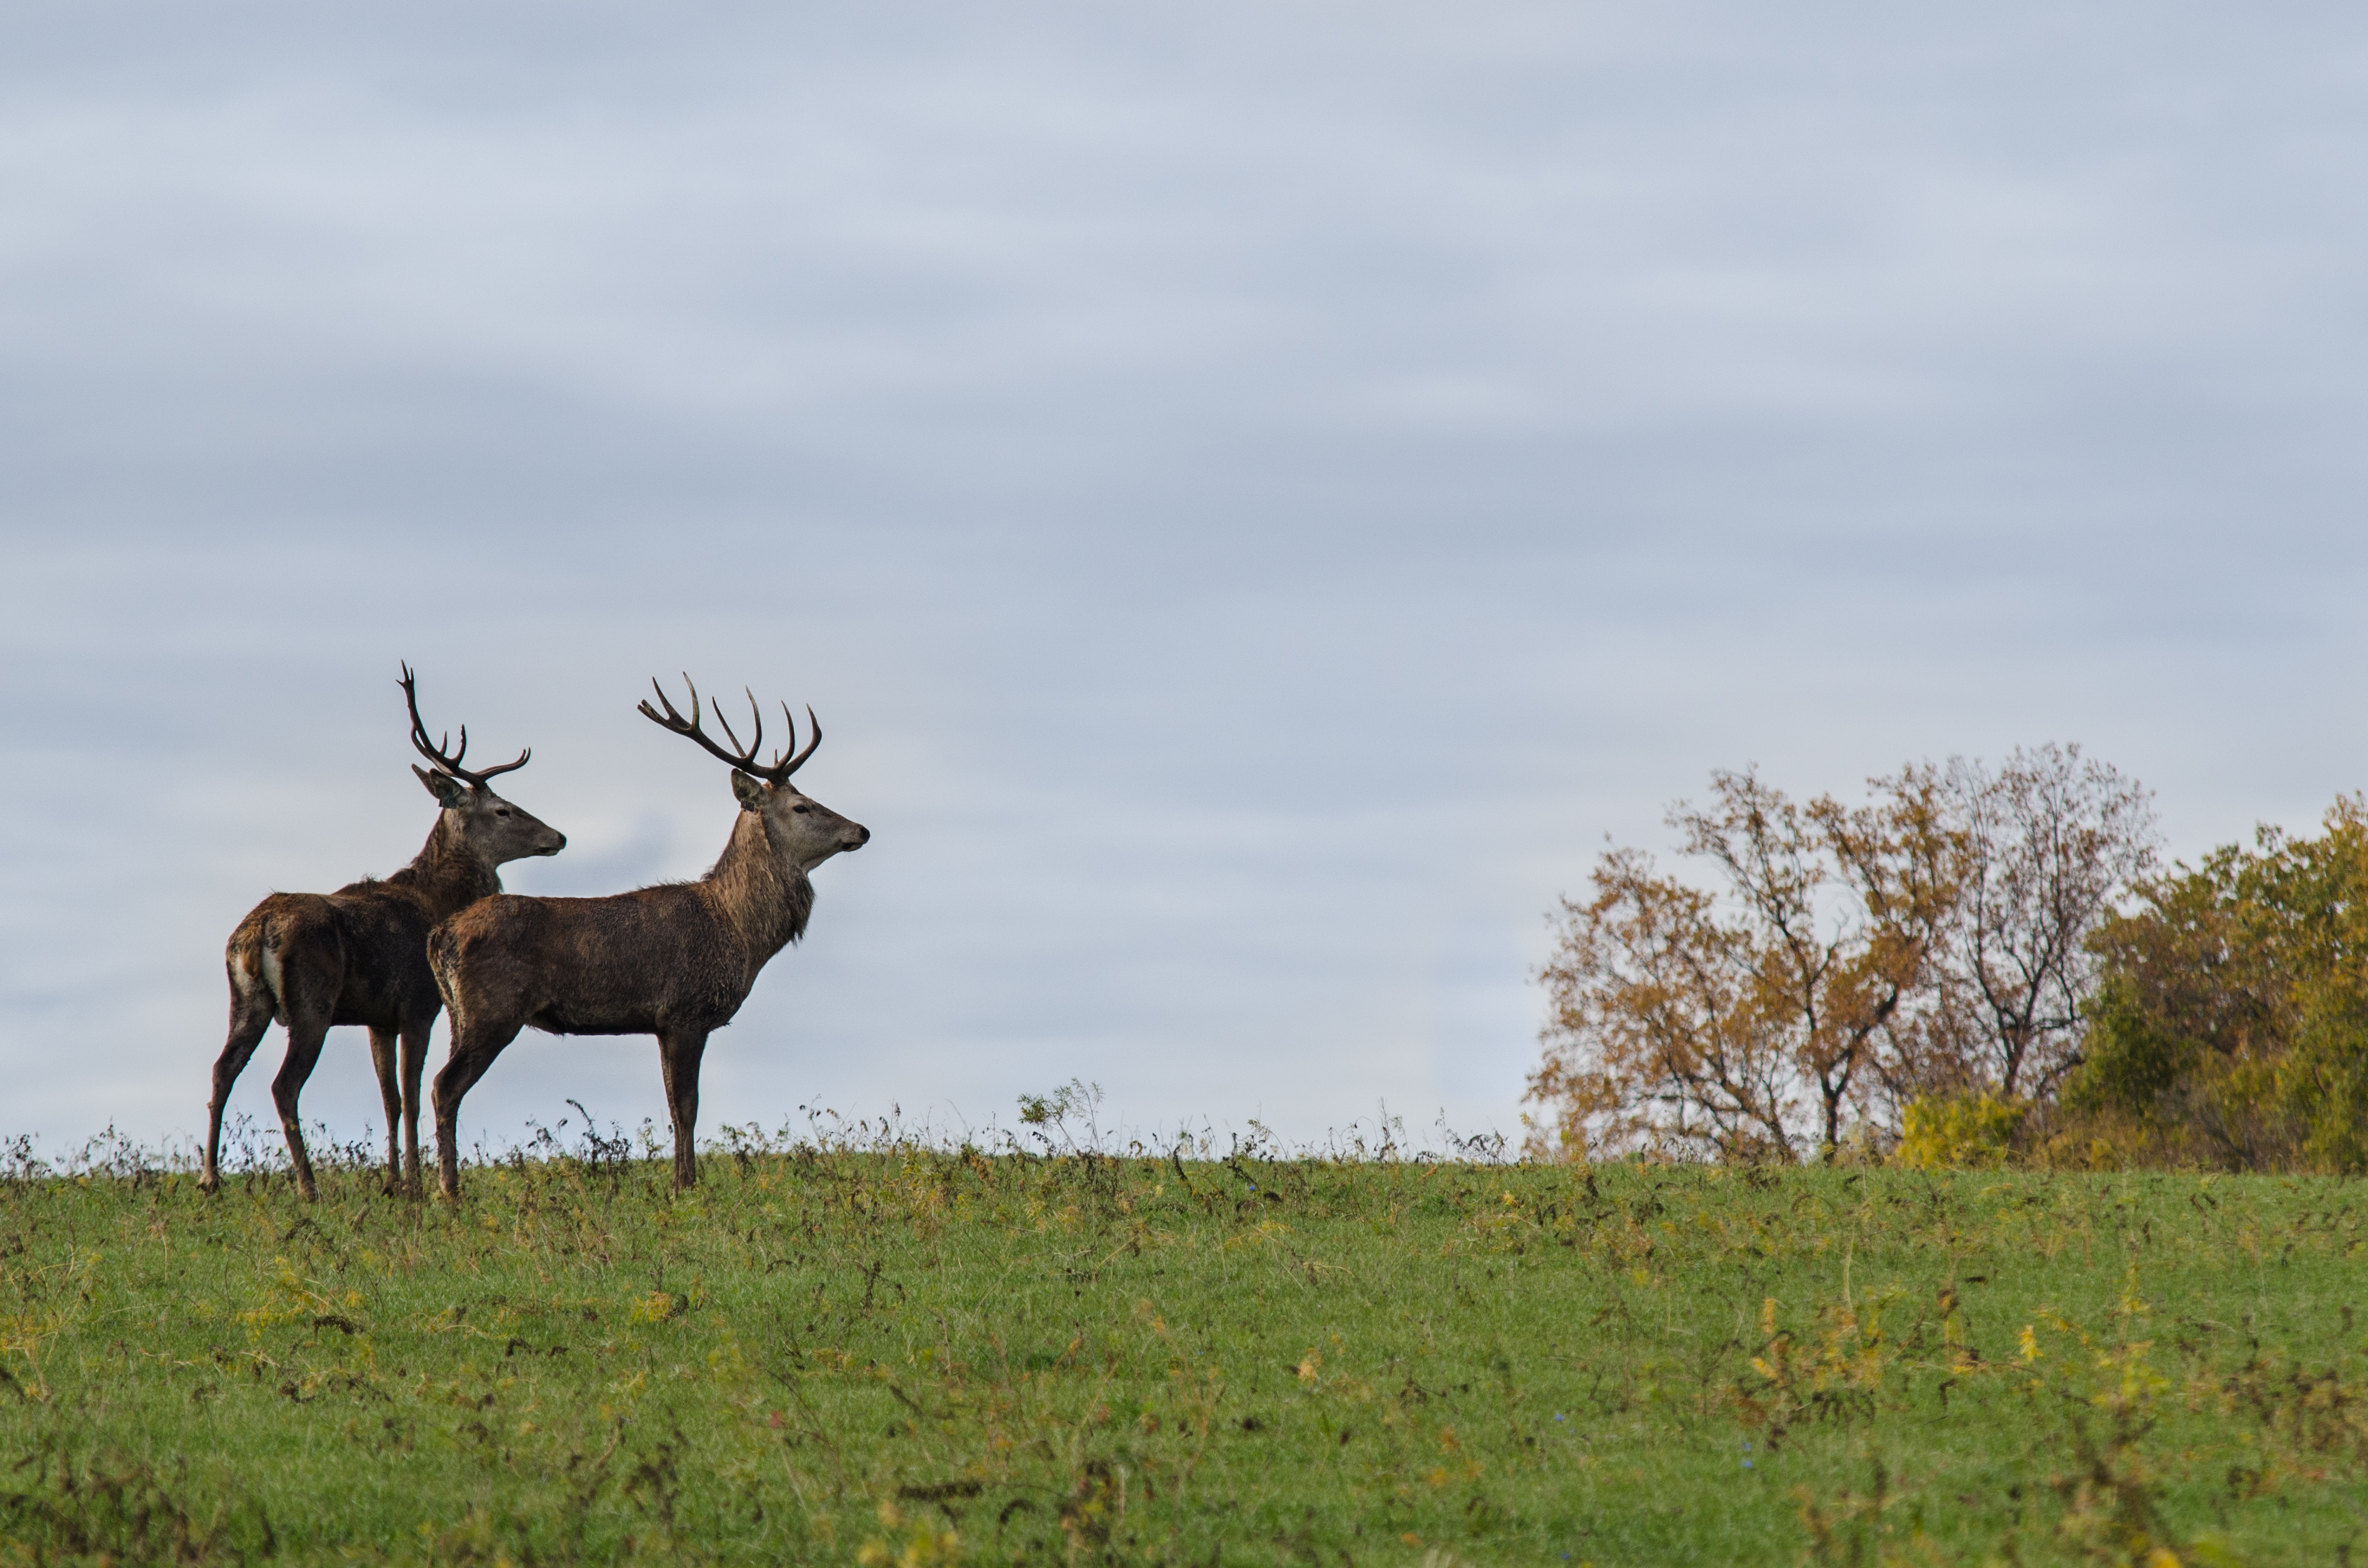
(675, 961)
(359, 955)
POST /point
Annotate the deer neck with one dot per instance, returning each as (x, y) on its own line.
(448, 873)
(760, 894)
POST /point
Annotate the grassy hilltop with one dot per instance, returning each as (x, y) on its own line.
(901, 1355)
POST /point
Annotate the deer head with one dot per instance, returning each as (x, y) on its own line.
(489, 825)
(800, 828)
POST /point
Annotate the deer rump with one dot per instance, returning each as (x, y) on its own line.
(655, 960)
(300, 943)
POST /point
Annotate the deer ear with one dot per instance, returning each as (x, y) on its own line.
(750, 791)
(449, 793)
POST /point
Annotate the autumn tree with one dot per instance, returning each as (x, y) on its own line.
(1840, 964)
(1742, 1024)
(2051, 843)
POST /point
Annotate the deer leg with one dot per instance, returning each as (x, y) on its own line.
(414, 1057)
(250, 1014)
(472, 1052)
(305, 1034)
(678, 1054)
(390, 1093)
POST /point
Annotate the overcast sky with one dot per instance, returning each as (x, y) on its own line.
(1256, 492)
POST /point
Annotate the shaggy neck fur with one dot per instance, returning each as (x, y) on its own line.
(762, 895)
(452, 875)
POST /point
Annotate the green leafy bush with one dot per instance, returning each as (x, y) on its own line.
(2229, 1028)
(1959, 1132)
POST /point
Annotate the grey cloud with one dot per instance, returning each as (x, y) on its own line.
(1256, 493)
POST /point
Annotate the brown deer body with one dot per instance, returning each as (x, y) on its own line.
(313, 961)
(675, 961)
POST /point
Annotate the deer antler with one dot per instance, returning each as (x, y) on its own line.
(448, 765)
(776, 772)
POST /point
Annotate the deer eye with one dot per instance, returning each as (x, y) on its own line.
(801, 811)
(503, 813)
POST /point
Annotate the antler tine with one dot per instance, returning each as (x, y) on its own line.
(785, 768)
(523, 758)
(782, 758)
(435, 753)
(755, 739)
(756, 722)
(670, 718)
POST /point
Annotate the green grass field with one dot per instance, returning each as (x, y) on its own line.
(902, 1355)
